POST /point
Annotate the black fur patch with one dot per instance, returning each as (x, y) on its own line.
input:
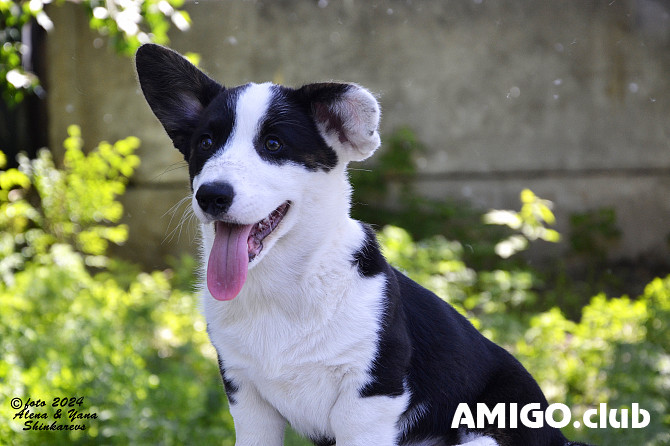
(323, 441)
(369, 259)
(217, 122)
(389, 367)
(289, 120)
(229, 386)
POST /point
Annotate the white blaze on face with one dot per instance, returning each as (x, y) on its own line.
(252, 107)
(238, 164)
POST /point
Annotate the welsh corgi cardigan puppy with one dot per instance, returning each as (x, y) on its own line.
(311, 325)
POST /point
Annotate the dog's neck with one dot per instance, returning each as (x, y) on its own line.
(310, 279)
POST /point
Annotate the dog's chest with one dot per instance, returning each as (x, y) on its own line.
(303, 394)
(301, 366)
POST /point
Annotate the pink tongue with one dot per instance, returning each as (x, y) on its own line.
(228, 261)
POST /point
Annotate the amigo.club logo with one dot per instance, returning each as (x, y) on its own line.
(555, 415)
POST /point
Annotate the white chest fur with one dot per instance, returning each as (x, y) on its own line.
(303, 339)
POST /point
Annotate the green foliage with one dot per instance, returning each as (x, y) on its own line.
(384, 195)
(127, 24)
(592, 235)
(130, 24)
(139, 355)
(396, 163)
(15, 82)
(530, 221)
(593, 232)
(42, 206)
(610, 356)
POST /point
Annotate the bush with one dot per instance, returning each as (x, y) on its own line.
(139, 355)
(42, 206)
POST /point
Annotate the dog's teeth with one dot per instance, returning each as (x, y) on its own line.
(261, 230)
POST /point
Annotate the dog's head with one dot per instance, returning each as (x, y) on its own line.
(255, 152)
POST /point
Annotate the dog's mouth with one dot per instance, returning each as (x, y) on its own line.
(263, 228)
(234, 247)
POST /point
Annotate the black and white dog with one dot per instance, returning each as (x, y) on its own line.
(311, 324)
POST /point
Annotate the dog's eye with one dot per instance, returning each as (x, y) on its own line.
(273, 144)
(205, 142)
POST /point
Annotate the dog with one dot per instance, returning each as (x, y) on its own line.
(311, 325)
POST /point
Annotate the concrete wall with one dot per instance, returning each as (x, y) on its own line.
(570, 98)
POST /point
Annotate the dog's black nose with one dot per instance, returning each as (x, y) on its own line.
(215, 198)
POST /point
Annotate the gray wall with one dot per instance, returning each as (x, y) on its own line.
(569, 98)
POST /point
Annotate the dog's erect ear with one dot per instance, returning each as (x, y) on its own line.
(347, 116)
(176, 91)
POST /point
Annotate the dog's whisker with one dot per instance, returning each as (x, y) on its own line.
(187, 221)
(174, 208)
(171, 168)
(187, 214)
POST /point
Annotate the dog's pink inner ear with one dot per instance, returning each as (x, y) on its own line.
(350, 123)
(331, 121)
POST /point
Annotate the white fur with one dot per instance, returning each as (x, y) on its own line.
(299, 338)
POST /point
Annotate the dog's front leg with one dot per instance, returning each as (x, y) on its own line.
(367, 421)
(257, 423)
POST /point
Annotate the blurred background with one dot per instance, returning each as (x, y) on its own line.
(569, 99)
(524, 169)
